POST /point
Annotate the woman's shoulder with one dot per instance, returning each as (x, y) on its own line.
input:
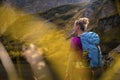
(75, 38)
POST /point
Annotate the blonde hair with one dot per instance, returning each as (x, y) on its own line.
(85, 21)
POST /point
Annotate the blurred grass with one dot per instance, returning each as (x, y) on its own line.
(21, 28)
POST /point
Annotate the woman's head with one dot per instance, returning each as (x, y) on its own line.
(80, 25)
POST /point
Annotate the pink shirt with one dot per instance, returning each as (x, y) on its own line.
(76, 42)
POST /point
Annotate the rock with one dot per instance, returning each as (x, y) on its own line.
(111, 55)
(109, 9)
(34, 6)
(99, 9)
(109, 22)
(115, 50)
(112, 63)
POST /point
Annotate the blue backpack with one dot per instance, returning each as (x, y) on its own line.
(90, 43)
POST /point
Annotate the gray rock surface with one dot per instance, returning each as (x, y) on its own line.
(32, 6)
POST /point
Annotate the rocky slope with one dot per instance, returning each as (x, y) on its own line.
(32, 6)
(103, 15)
(63, 14)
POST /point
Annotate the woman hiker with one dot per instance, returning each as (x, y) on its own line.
(88, 64)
